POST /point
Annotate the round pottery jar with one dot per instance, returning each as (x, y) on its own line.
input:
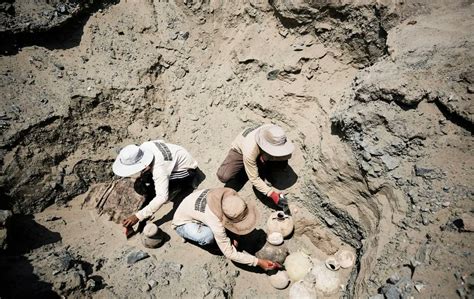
(280, 280)
(275, 238)
(332, 263)
(345, 258)
(298, 265)
(151, 237)
(275, 253)
(281, 223)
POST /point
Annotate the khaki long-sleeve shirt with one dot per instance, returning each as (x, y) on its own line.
(170, 161)
(246, 145)
(189, 211)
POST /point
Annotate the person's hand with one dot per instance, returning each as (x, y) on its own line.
(268, 265)
(130, 221)
(281, 201)
(275, 196)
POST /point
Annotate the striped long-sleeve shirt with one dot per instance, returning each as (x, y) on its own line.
(170, 162)
(194, 208)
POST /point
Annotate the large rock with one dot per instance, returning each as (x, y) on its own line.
(360, 28)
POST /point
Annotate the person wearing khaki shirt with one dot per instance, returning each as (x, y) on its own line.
(204, 216)
(255, 146)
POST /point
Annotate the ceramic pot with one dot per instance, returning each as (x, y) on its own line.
(332, 263)
(151, 236)
(328, 281)
(298, 265)
(281, 223)
(345, 258)
(275, 238)
(275, 253)
(280, 280)
(303, 289)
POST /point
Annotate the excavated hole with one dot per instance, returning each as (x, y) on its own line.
(71, 158)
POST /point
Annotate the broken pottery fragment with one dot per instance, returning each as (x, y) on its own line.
(136, 256)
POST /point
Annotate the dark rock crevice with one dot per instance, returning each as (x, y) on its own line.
(59, 29)
(45, 150)
(361, 30)
(453, 116)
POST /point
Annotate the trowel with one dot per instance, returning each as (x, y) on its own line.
(285, 206)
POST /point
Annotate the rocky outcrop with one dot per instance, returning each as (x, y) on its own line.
(401, 128)
(359, 28)
(35, 22)
(5, 216)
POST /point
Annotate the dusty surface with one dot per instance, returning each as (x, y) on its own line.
(376, 95)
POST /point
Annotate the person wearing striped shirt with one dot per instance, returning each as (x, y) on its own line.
(163, 163)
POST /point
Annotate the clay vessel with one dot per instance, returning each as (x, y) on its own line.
(280, 280)
(298, 265)
(275, 239)
(275, 253)
(281, 223)
(303, 289)
(151, 236)
(345, 258)
(332, 263)
(328, 280)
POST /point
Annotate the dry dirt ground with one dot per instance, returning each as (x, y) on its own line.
(376, 95)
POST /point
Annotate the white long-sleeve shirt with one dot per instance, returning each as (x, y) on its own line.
(170, 161)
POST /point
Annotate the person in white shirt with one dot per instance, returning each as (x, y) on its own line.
(205, 216)
(164, 163)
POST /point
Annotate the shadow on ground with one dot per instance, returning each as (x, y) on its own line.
(19, 279)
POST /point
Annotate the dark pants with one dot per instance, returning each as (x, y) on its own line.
(233, 164)
(145, 185)
(232, 172)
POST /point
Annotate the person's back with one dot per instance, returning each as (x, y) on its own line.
(167, 163)
(205, 215)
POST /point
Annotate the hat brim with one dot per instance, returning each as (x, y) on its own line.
(247, 225)
(123, 170)
(274, 150)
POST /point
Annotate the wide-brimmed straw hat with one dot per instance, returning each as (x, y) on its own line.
(131, 160)
(236, 215)
(272, 140)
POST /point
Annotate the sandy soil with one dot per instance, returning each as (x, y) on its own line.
(376, 95)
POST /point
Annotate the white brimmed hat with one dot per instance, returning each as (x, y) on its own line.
(272, 140)
(131, 160)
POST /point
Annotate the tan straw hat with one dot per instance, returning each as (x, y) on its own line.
(272, 140)
(131, 160)
(236, 215)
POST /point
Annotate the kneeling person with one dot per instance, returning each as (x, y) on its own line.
(254, 147)
(205, 215)
(159, 165)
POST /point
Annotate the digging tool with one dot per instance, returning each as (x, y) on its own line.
(283, 204)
